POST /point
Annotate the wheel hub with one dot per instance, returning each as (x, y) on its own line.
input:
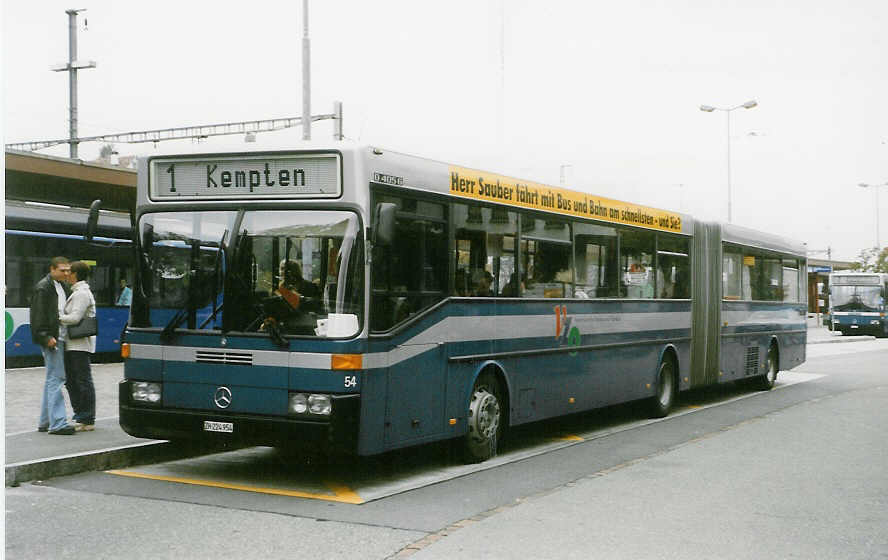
(484, 415)
(665, 388)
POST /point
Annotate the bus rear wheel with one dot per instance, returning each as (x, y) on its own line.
(485, 419)
(661, 403)
(767, 379)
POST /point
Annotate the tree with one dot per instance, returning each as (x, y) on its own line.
(872, 260)
(106, 151)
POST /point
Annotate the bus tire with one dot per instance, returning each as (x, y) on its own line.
(484, 418)
(767, 379)
(664, 397)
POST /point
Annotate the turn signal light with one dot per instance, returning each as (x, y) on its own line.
(346, 361)
(124, 350)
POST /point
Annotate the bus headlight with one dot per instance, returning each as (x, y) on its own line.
(298, 403)
(314, 404)
(320, 404)
(143, 391)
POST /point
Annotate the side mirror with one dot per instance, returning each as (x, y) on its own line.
(92, 222)
(384, 223)
(147, 239)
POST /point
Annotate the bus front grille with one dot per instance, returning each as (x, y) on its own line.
(230, 358)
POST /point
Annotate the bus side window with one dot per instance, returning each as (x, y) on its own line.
(673, 268)
(545, 259)
(790, 280)
(473, 274)
(595, 260)
(731, 275)
(772, 285)
(636, 264)
(752, 278)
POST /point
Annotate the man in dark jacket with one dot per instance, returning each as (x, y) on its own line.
(50, 295)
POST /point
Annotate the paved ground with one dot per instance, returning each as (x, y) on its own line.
(790, 473)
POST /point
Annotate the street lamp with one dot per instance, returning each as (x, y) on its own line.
(708, 109)
(876, 190)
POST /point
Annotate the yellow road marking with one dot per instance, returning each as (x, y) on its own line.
(340, 493)
(570, 438)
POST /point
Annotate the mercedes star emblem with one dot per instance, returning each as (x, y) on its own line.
(222, 398)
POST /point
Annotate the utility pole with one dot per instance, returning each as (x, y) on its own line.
(306, 75)
(72, 67)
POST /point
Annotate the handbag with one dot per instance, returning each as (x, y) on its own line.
(88, 326)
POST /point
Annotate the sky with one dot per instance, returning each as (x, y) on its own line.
(605, 94)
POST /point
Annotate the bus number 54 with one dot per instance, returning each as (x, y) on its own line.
(351, 381)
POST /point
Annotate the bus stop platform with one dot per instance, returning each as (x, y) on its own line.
(31, 455)
(819, 334)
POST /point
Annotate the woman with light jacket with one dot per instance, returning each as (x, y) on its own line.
(79, 382)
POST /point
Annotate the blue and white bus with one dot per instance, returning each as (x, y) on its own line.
(857, 302)
(431, 302)
(35, 233)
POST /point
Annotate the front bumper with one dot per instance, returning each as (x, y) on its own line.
(338, 433)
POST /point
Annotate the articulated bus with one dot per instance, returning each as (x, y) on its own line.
(35, 233)
(857, 302)
(362, 300)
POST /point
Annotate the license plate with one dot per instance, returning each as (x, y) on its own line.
(853, 326)
(224, 427)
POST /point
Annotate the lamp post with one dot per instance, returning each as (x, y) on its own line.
(876, 190)
(708, 109)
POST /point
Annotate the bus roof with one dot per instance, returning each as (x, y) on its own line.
(733, 233)
(51, 218)
(390, 167)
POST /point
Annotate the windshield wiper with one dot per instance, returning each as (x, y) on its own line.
(170, 329)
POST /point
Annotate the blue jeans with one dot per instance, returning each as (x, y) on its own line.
(52, 410)
(80, 386)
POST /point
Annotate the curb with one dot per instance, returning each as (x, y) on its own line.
(98, 460)
(840, 339)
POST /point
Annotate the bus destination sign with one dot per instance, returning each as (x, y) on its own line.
(849, 280)
(246, 176)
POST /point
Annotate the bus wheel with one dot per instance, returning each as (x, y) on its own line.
(766, 380)
(662, 401)
(485, 419)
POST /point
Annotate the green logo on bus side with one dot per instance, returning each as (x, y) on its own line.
(573, 339)
(10, 325)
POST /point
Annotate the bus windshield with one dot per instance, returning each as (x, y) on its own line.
(281, 273)
(855, 298)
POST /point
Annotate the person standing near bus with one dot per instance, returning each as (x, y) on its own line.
(81, 303)
(48, 302)
(126, 294)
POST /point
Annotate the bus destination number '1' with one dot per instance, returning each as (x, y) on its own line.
(351, 381)
(172, 171)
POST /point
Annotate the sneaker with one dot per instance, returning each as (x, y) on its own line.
(84, 427)
(42, 428)
(66, 431)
